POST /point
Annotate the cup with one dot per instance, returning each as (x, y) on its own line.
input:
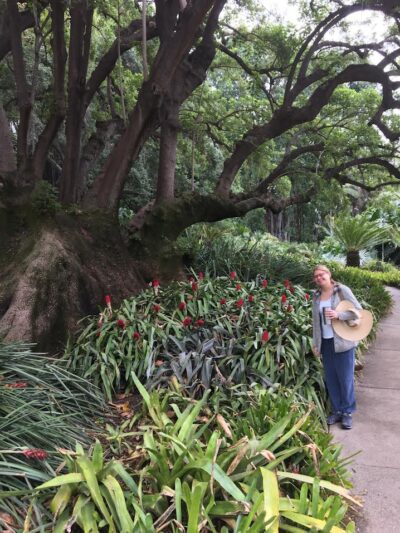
(327, 320)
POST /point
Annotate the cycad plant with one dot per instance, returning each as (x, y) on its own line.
(359, 233)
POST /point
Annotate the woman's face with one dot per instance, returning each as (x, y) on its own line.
(322, 278)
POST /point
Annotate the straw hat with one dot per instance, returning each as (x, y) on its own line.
(352, 330)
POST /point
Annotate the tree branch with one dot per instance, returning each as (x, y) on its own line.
(370, 188)
(371, 160)
(286, 118)
(59, 60)
(23, 90)
(128, 37)
(281, 169)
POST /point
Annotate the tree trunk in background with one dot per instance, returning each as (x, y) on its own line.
(353, 258)
(167, 158)
(276, 224)
(8, 162)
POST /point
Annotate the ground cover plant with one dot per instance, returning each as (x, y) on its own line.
(43, 407)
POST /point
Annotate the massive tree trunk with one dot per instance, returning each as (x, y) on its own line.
(54, 271)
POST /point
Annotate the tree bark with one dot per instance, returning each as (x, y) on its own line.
(108, 185)
(23, 90)
(353, 258)
(57, 117)
(7, 156)
(81, 27)
(167, 154)
(53, 273)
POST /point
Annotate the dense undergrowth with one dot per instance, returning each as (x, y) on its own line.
(218, 410)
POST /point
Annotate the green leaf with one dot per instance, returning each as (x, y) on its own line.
(198, 491)
(271, 499)
(61, 499)
(89, 475)
(310, 521)
(61, 480)
(114, 488)
(324, 484)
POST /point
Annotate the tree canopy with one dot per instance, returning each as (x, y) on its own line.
(96, 81)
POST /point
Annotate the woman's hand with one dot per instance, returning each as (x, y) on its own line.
(316, 351)
(331, 314)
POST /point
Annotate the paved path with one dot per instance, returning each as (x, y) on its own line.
(376, 430)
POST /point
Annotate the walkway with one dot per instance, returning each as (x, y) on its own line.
(376, 431)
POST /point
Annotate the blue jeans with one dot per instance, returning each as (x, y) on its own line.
(339, 377)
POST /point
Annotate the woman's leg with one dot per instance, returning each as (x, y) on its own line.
(345, 373)
(331, 377)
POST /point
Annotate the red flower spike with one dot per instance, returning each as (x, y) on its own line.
(291, 289)
(17, 385)
(182, 306)
(238, 286)
(156, 308)
(187, 321)
(265, 336)
(232, 275)
(107, 298)
(286, 283)
(222, 301)
(97, 333)
(283, 298)
(136, 336)
(194, 286)
(200, 276)
(200, 322)
(251, 298)
(240, 302)
(121, 324)
(307, 296)
(155, 283)
(290, 308)
(264, 283)
(36, 453)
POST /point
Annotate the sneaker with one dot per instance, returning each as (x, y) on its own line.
(334, 418)
(347, 421)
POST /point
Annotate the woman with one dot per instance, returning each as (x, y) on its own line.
(337, 353)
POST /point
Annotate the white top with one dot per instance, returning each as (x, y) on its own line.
(326, 325)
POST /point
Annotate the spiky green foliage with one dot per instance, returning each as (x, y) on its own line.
(204, 333)
(43, 407)
(191, 470)
(359, 233)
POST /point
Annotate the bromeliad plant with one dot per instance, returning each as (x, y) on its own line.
(192, 471)
(200, 331)
(91, 494)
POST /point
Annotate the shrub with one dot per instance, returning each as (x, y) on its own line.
(203, 332)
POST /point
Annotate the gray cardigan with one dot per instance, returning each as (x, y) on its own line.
(340, 292)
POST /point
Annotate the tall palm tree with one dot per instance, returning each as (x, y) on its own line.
(360, 233)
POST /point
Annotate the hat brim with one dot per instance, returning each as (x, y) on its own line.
(356, 332)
